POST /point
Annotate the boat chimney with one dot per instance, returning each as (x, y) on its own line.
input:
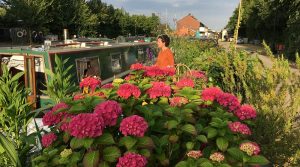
(65, 35)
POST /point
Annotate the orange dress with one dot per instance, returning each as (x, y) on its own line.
(165, 58)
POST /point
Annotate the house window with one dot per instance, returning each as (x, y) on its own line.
(88, 66)
(116, 63)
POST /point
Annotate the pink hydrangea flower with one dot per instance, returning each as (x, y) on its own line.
(228, 100)
(86, 125)
(194, 154)
(185, 82)
(51, 117)
(239, 127)
(132, 160)
(178, 101)
(137, 66)
(107, 86)
(48, 139)
(159, 89)
(134, 125)
(198, 74)
(210, 94)
(110, 111)
(245, 112)
(65, 122)
(78, 97)
(155, 71)
(91, 82)
(217, 156)
(251, 148)
(126, 90)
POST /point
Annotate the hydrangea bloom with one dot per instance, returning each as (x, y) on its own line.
(185, 82)
(217, 156)
(239, 127)
(155, 71)
(132, 160)
(107, 86)
(228, 100)
(245, 112)
(198, 74)
(86, 125)
(128, 77)
(78, 97)
(134, 125)
(194, 154)
(251, 148)
(126, 90)
(159, 89)
(51, 117)
(48, 139)
(110, 111)
(65, 122)
(178, 101)
(137, 66)
(91, 82)
(211, 93)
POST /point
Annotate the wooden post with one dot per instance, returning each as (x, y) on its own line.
(236, 31)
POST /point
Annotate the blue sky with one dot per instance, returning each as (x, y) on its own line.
(213, 13)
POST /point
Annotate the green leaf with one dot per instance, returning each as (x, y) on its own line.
(87, 142)
(172, 124)
(10, 150)
(202, 138)
(75, 157)
(211, 133)
(189, 129)
(145, 142)
(91, 159)
(206, 164)
(222, 143)
(76, 143)
(76, 109)
(104, 164)
(145, 152)
(182, 164)
(258, 160)
(105, 139)
(128, 142)
(224, 165)
(111, 154)
(236, 153)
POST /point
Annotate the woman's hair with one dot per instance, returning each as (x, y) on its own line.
(164, 38)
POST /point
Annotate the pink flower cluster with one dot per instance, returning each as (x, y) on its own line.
(159, 89)
(185, 82)
(251, 148)
(194, 154)
(48, 139)
(245, 112)
(217, 156)
(134, 125)
(198, 74)
(132, 160)
(178, 101)
(228, 100)
(211, 94)
(78, 97)
(107, 86)
(126, 90)
(137, 66)
(65, 122)
(110, 111)
(155, 71)
(86, 125)
(91, 82)
(51, 117)
(239, 127)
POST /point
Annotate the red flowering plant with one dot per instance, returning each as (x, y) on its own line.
(152, 119)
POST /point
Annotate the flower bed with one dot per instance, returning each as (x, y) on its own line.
(151, 119)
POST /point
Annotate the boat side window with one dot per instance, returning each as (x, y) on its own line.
(116, 63)
(88, 67)
(40, 75)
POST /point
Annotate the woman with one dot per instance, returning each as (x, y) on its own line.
(165, 56)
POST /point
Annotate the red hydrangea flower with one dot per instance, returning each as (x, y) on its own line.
(126, 90)
(168, 71)
(159, 89)
(155, 71)
(110, 111)
(86, 125)
(239, 127)
(194, 154)
(48, 139)
(78, 97)
(137, 66)
(228, 100)
(245, 112)
(128, 77)
(107, 86)
(132, 160)
(198, 74)
(217, 156)
(251, 148)
(178, 101)
(51, 117)
(99, 94)
(91, 82)
(185, 82)
(211, 93)
(65, 122)
(134, 125)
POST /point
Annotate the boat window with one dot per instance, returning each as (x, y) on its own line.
(40, 75)
(88, 67)
(116, 64)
